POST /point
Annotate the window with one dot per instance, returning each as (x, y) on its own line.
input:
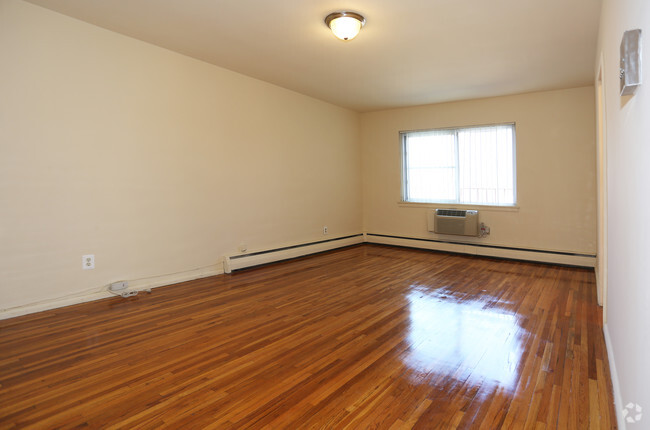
(471, 165)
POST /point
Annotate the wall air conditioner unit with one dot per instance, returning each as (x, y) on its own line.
(453, 221)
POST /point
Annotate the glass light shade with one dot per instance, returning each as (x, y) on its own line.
(345, 27)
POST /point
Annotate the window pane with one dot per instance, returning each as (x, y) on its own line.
(485, 155)
(431, 160)
(472, 165)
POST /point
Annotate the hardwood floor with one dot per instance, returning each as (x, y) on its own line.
(363, 337)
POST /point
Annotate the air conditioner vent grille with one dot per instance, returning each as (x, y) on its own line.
(453, 221)
(451, 212)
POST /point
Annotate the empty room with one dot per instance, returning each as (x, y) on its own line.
(324, 215)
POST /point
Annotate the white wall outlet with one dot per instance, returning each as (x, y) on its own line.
(243, 247)
(88, 262)
(324, 229)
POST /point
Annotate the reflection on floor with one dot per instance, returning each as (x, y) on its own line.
(448, 334)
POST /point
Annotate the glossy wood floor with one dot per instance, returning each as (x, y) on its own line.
(364, 337)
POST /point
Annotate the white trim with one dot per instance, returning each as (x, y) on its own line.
(427, 205)
(601, 186)
(89, 296)
(240, 261)
(514, 254)
(616, 388)
(229, 263)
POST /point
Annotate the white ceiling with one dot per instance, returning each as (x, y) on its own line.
(410, 52)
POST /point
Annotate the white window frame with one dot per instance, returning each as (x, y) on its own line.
(404, 167)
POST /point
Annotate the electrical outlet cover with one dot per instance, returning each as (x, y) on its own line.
(88, 262)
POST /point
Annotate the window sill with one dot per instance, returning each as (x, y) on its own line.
(403, 204)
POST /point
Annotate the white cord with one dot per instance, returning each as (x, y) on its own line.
(128, 293)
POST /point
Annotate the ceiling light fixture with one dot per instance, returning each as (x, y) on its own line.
(345, 25)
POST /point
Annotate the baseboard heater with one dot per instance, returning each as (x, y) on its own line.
(498, 251)
(250, 259)
(453, 222)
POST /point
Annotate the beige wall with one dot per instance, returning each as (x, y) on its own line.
(556, 162)
(160, 164)
(627, 126)
(155, 162)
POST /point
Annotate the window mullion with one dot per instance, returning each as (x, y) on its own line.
(457, 166)
(405, 169)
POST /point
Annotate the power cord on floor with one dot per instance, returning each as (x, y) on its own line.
(128, 293)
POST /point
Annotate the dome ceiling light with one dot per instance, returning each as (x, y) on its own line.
(345, 25)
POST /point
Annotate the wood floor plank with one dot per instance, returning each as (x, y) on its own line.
(362, 337)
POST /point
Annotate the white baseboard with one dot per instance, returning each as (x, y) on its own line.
(102, 293)
(175, 278)
(616, 388)
(47, 305)
(231, 262)
(240, 261)
(486, 251)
